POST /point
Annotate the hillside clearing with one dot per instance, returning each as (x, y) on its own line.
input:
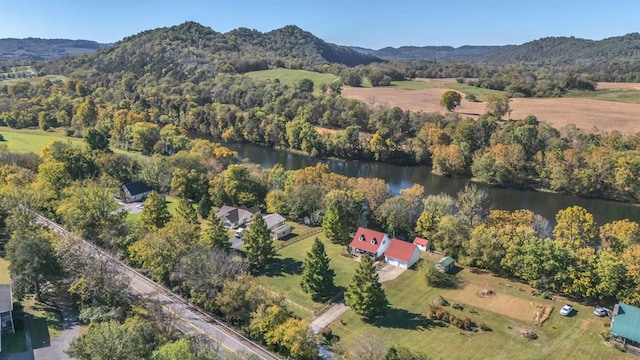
(291, 77)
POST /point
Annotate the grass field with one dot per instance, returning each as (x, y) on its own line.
(507, 313)
(283, 275)
(291, 77)
(630, 96)
(31, 140)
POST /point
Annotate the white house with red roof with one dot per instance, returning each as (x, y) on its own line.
(402, 254)
(422, 244)
(369, 242)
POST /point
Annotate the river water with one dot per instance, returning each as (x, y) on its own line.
(401, 177)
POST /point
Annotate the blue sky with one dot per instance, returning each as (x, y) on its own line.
(368, 23)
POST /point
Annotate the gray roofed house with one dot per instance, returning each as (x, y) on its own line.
(6, 309)
(135, 191)
(234, 217)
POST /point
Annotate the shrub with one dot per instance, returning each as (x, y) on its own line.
(70, 132)
(1, 137)
(457, 306)
(471, 98)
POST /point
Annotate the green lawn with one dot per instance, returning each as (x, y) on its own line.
(31, 140)
(290, 77)
(630, 96)
(282, 275)
(172, 204)
(576, 337)
(416, 85)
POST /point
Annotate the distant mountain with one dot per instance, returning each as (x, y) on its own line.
(466, 52)
(45, 49)
(194, 52)
(572, 51)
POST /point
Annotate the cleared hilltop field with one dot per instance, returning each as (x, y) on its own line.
(614, 106)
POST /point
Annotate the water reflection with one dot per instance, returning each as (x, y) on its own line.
(402, 177)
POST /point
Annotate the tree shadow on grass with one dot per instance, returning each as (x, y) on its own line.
(280, 267)
(40, 337)
(403, 319)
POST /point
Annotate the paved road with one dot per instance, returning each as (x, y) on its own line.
(190, 319)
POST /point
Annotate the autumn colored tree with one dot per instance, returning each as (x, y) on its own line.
(317, 276)
(364, 293)
(576, 228)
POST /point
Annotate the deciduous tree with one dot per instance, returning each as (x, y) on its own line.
(450, 100)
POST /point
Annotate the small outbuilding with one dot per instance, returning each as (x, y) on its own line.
(6, 310)
(445, 264)
(136, 191)
(625, 325)
(422, 244)
(402, 254)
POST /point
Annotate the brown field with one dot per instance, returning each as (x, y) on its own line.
(587, 114)
(500, 303)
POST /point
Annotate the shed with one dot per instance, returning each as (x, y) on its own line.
(445, 264)
(6, 309)
(422, 244)
(135, 191)
(625, 324)
(402, 254)
(280, 232)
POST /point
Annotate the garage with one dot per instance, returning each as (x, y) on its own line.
(402, 254)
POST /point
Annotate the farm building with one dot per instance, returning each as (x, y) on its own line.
(422, 244)
(402, 254)
(234, 217)
(135, 191)
(625, 325)
(445, 264)
(369, 242)
(6, 310)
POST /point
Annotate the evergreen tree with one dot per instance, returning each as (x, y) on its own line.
(317, 277)
(257, 240)
(186, 211)
(214, 235)
(204, 206)
(155, 213)
(364, 293)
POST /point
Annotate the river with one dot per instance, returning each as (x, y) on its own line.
(402, 177)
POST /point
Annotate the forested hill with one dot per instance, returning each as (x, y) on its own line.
(45, 49)
(434, 52)
(572, 51)
(191, 51)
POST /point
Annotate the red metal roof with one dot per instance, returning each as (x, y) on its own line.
(365, 244)
(421, 241)
(401, 250)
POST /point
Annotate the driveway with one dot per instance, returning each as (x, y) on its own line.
(388, 272)
(332, 314)
(55, 351)
(236, 242)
